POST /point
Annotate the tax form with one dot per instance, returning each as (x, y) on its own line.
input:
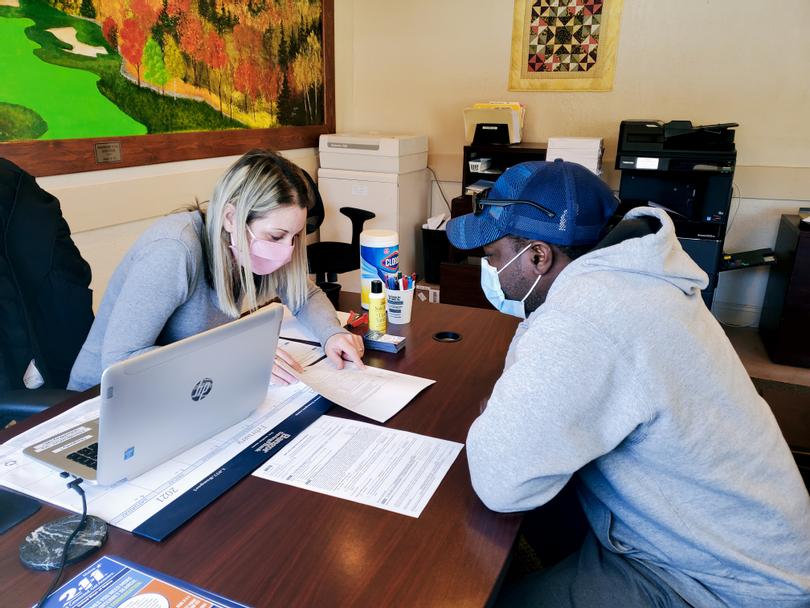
(372, 392)
(373, 465)
(304, 354)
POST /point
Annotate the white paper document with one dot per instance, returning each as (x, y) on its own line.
(127, 504)
(371, 392)
(293, 328)
(393, 470)
(305, 354)
(435, 222)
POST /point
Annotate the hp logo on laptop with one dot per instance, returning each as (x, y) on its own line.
(201, 389)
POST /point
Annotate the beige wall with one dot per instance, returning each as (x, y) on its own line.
(411, 67)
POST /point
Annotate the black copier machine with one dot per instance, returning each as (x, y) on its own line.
(689, 171)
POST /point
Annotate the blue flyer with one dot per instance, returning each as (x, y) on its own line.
(111, 582)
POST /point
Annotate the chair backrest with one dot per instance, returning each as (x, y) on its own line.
(358, 218)
(45, 301)
(633, 228)
(329, 258)
(315, 213)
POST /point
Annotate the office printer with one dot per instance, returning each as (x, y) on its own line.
(676, 146)
(688, 170)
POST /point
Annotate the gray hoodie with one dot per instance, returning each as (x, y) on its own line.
(624, 377)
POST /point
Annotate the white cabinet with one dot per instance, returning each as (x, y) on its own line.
(398, 200)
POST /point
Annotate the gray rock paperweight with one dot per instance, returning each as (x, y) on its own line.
(42, 548)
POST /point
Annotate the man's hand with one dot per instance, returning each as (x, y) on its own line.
(343, 346)
(283, 366)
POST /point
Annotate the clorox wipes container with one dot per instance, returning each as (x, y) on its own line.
(379, 259)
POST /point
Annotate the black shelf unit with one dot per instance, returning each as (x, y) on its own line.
(502, 156)
(784, 325)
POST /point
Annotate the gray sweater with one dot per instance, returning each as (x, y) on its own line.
(159, 294)
(624, 377)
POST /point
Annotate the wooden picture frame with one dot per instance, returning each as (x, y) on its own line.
(60, 156)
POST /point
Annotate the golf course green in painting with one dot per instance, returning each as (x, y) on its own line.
(47, 89)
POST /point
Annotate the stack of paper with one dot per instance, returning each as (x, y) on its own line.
(586, 151)
(436, 222)
(479, 186)
(510, 113)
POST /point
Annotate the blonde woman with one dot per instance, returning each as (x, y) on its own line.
(194, 270)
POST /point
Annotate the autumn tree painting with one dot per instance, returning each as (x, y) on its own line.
(158, 66)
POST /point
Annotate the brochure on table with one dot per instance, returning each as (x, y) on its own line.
(112, 581)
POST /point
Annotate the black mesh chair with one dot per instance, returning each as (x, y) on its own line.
(633, 228)
(327, 259)
(45, 300)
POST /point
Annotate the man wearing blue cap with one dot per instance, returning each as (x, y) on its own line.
(622, 381)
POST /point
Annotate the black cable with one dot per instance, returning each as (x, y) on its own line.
(441, 191)
(75, 486)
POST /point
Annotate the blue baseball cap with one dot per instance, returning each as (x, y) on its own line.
(572, 206)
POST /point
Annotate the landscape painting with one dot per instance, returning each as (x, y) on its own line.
(75, 69)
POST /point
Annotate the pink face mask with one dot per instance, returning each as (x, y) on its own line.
(265, 256)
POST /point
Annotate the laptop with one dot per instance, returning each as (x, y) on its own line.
(162, 402)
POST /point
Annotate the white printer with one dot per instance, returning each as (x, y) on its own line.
(373, 152)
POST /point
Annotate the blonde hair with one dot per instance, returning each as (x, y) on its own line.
(257, 183)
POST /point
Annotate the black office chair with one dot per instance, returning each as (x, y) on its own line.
(632, 228)
(45, 300)
(327, 259)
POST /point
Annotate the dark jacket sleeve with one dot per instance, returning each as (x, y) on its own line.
(44, 281)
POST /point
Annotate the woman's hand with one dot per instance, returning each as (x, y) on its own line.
(283, 366)
(343, 346)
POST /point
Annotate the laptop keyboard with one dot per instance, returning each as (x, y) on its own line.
(87, 456)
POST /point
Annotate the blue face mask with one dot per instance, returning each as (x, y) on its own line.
(492, 288)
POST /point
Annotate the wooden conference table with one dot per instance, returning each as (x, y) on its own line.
(268, 544)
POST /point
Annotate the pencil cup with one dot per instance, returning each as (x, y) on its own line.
(399, 303)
